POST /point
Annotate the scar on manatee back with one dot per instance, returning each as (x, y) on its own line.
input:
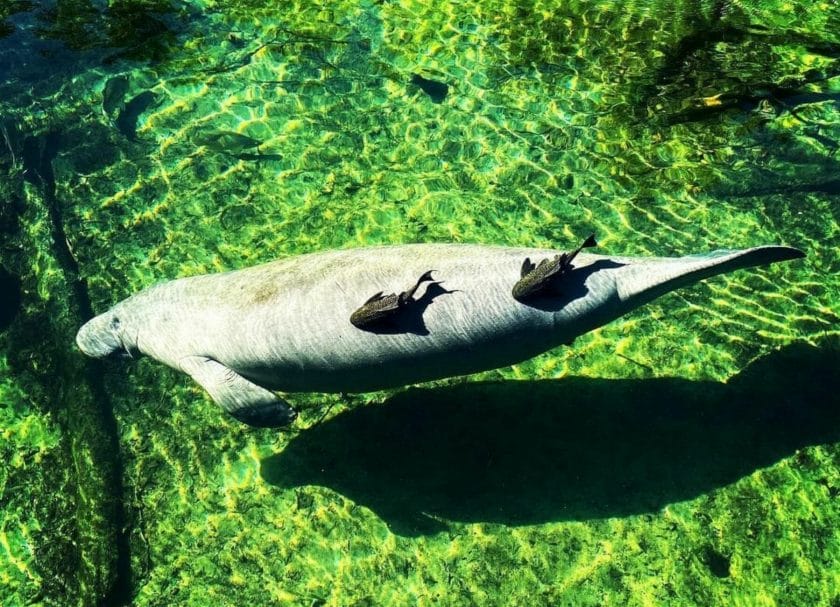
(264, 292)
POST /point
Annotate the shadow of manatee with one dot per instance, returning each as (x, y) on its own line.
(525, 452)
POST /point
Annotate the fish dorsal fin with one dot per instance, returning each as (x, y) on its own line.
(544, 262)
(527, 268)
(426, 277)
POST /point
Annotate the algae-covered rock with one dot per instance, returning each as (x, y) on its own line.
(57, 471)
(32, 463)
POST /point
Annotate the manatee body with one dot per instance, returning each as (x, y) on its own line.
(285, 325)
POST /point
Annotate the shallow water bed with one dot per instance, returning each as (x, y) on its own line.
(686, 454)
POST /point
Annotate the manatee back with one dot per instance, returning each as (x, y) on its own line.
(287, 323)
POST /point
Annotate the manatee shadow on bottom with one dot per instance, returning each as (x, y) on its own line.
(526, 452)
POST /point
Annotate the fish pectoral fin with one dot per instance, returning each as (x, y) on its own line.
(375, 297)
(243, 399)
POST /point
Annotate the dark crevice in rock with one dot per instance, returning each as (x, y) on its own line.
(38, 156)
(10, 303)
(719, 564)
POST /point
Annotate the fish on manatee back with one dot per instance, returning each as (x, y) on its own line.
(113, 94)
(285, 325)
(541, 279)
(126, 121)
(379, 308)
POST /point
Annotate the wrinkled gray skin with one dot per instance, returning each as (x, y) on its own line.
(285, 325)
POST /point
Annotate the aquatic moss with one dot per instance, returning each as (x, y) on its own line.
(138, 28)
(8, 9)
(59, 502)
(28, 450)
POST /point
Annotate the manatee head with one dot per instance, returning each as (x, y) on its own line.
(105, 335)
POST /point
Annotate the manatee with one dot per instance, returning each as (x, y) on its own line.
(284, 326)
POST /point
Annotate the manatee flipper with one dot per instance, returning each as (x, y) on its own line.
(244, 400)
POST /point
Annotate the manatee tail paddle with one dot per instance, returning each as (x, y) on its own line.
(645, 280)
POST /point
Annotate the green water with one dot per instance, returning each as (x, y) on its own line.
(687, 454)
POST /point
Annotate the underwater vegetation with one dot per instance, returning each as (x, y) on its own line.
(130, 29)
(686, 455)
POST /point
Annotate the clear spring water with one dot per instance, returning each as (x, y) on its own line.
(688, 454)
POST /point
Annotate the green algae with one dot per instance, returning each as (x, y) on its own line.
(134, 29)
(29, 439)
(60, 510)
(687, 454)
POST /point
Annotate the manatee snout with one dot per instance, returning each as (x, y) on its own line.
(99, 336)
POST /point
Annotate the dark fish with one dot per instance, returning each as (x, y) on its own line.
(227, 142)
(782, 99)
(126, 121)
(381, 308)
(830, 187)
(437, 91)
(113, 94)
(537, 280)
